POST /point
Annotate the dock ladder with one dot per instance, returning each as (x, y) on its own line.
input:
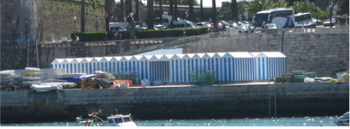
(272, 100)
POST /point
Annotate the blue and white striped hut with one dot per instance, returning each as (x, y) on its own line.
(159, 68)
(175, 68)
(57, 64)
(96, 64)
(269, 65)
(106, 64)
(67, 65)
(76, 68)
(87, 68)
(241, 66)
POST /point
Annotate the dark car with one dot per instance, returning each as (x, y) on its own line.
(328, 22)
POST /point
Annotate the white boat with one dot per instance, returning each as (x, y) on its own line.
(42, 88)
(63, 83)
(120, 120)
(31, 82)
(113, 120)
(31, 77)
(31, 71)
(343, 120)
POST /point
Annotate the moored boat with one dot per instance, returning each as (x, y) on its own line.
(113, 120)
(343, 120)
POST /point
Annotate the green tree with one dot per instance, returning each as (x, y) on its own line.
(303, 6)
(344, 6)
(225, 13)
(307, 6)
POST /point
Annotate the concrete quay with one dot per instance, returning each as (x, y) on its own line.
(239, 100)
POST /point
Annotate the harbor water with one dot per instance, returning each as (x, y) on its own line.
(279, 121)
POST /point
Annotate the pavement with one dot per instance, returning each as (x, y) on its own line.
(217, 84)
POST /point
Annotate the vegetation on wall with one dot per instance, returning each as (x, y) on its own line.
(95, 36)
(56, 17)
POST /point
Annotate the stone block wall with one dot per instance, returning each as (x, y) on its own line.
(303, 99)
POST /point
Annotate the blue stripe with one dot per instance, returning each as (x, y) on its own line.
(177, 71)
(142, 70)
(217, 69)
(172, 65)
(138, 66)
(129, 66)
(225, 69)
(229, 69)
(181, 72)
(263, 68)
(146, 69)
(71, 68)
(106, 67)
(113, 66)
(185, 70)
(52, 66)
(82, 68)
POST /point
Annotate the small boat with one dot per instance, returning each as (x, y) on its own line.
(343, 120)
(43, 88)
(113, 120)
(63, 83)
(28, 71)
(33, 77)
(120, 120)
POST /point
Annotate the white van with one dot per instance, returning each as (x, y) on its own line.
(118, 26)
(180, 24)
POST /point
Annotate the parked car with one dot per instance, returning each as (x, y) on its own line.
(300, 26)
(159, 27)
(271, 26)
(243, 28)
(328, 22)
(201, 24)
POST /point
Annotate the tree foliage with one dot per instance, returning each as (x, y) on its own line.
(225, 12)
(179, 2)
(307, 6)
(344, 6)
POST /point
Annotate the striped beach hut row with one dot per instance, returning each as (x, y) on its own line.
(175, 68)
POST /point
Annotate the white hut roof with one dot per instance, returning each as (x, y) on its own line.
(240, 54)
(255, 53)
(78, 59)
(108, 58)
(57, 61)
(273, 54)
(200, 55)
(190, 55)
(180, 55)
(98, 58)
(148, 56)
(169, 56)
(88, 59)
(210, 54)
(128, 57)
(221, 54)
(138, 57)
(118, 58)
(69, 60)
(158, 56)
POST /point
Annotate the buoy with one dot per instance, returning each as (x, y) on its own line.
(88, 123)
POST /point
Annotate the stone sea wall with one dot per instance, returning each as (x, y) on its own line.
(238, 101)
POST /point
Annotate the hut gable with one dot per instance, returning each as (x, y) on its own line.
(57, 61)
